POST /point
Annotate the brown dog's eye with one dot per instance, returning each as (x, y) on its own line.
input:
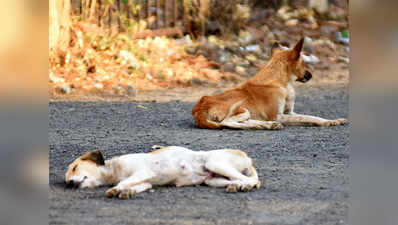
(74, 168)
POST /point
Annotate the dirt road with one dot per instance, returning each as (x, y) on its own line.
(304, 170)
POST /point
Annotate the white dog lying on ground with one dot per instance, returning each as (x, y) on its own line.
(135, 173)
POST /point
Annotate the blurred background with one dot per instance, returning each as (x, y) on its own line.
(110, 50)
(165, 49)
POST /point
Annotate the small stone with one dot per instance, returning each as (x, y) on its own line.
(253, 48)
(251, 58)
(191, 50)
(320, 6)
(310, 59)
(271, 37)
(229, 67)
(212, 39)
(265, 29)
(213, 27)
(343, 59)
(196, 81)
(187, 39)
(241, 70)
(291, 23)
(308, 40)
(245, 37)
(222, 58)
(125, 57)
(252, 71)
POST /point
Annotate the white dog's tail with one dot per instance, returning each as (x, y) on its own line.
(253, 174)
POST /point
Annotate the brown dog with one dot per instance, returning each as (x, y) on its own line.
(266, 101)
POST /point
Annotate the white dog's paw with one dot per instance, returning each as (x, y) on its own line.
(120, 193)
(112, 192)
(341, 121)
(335, 122)
(258, 185)
(246, 188)
(250, 186)
(233, 187)
(127, 193)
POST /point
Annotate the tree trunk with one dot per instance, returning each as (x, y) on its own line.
(93, 9)
(59, 25)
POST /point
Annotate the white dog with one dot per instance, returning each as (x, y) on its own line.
(135, 173)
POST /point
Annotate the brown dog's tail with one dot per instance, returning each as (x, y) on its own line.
(200, 114)
(202, 121)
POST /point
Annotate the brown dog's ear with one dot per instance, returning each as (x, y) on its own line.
(95, 156)
(274, 47)
(296, 51)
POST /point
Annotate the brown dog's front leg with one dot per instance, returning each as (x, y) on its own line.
(254, 125)
(299, 119)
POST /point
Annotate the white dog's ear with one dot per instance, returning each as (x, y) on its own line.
(296, 51)
(95, 156)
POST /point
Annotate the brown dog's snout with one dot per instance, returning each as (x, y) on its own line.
(307, 75)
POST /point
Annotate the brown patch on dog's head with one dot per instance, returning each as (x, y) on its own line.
(84, 171)
(95, 156)
(296, 67)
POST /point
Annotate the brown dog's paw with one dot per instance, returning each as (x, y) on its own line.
(112, 192)
(341, 121)
(276, 126)
(334, 122)
(125, 194)
(329, 123)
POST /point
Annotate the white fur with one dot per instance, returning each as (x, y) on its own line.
(291, 97)
(134, 173)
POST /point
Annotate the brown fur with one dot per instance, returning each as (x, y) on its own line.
(79, 164)
(94, 156)
(266, 96)
(237, 152)
(135, 173)
(158, 151)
